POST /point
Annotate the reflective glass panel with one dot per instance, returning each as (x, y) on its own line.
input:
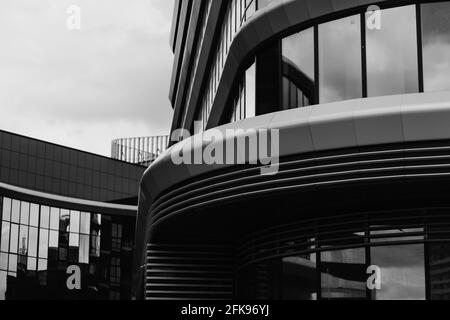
(439, 274)
(392, 64)
(402, 272)
(344, 274)
(34, 215)
(12, 263)
(6, 211)
(43, 243)
(4, 261)
(32, 264)
(64, 220)
(298, 69)
(15, 211)
(54, 218)
(250, 92)
(436, 46)
(42, 265)
(74, 239)
(3, 284)
(14, 238)
(84, 249)
(75, 221)
(53, 240)
(4, 245)
(23, 240)
(33, 244)
(24, 213)
(85, 223)
(340, 60)
(45, 217)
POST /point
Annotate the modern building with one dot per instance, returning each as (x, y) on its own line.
(67, 222)
(143, 150)
(359, 92)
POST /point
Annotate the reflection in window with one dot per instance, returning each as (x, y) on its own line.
(3, 261)
(439, 274)
(23, 240)
(85, 223)
(5, 236)
(33, 242)
(45, 217)
(84, 249)
(392, 64)
(116, 237)
(6, 211)
(115, 271)
(3, 282)
(74, 221)
(300, 277)
(402, 272)
(340, 60)
(298, 69)
(436, 46)
(14, 238)
(15, 211)
(43, 244)
(34, 215)
(343, 274)
(64, 220)
(24, 212)
(54, 218)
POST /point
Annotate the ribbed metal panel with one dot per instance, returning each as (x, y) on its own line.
(189, 272)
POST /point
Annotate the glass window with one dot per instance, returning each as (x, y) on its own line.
(250, 92)
(299, 278)
(33, 242)
(392, 64)
(84, 249)
(64, 220)
(32, 264)
(85, 223)
(3, 261)
(15, 211)
(6, 209)
(75, 221)
(3, 285)
(4, 245)
(74, 239)
(43, 243)
(24, 213)
(298, 68)
(42, 265)
(439, 271)
(53, 240)
(23, 240)
(34, 215)
(402, 272)
(45, 217)
(340, 60)
(344, 274)
(54, 218)
(436, 46)
(12, 262)
(14, 238)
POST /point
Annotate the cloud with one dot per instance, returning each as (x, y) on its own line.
(85, 88)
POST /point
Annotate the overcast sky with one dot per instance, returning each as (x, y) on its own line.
(84, 88)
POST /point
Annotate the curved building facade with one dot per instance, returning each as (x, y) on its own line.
(358, 94)
(67, 222)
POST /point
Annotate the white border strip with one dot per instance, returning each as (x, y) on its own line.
(67, 199)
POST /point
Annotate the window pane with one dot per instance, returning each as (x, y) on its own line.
(298, 63)
(436, 46)
(33, 244)
(392, 65)
(74, 221)
(6, 209)
(3, 285)
(24, 213)
(402, 272)
(23, 240)
(3, 261)
(74, 239)
(64, 220)
(42, 265)
(85, 224)
(250, 92)
(54, 219)
(439, 271)
(43, 243)
(45, 217)
(34, 215)
(344, 274)
(14, 238)
(5, 236)
(340, 60)
(32, 264)
(15, 211)
(84, 249)
(12, 263)
(53, 241)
